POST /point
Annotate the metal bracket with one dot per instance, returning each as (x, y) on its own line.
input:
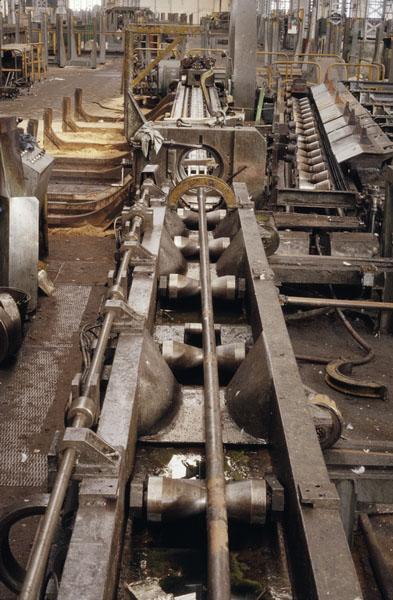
(97, 491)
(319, 495)
(139, 210)
(111, 279)
(140, 254)
(276, 492)
(368, 279)
(94, 390)
(95, 455)
(122, 310)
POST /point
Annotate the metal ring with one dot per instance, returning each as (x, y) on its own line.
(202, 181)
(11, 572)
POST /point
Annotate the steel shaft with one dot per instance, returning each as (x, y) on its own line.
(41, 548)
(216, 513)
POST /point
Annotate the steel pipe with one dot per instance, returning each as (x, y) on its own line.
(335, 303)
(219, 587)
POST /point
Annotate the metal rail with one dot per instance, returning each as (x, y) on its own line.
(216, 511)
(374, 70)
(47, 528)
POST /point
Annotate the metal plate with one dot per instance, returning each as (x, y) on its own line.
(188, 425)
(294, 243)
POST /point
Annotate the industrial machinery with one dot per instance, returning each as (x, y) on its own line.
(25, 169)
(24, 175)
(171, 266)
(195, 462)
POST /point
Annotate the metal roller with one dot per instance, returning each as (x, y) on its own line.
(175, 286)
(180, 356)
(173, 499)
(189, 246)
(190, 217)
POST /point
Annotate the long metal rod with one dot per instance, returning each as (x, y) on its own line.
(381, 568)
(47, 529)
(335, 303)
(219, 587)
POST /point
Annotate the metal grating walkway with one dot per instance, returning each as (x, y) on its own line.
(29, 387)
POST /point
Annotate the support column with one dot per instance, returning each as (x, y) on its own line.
(94, 45)
(44, 39)
(70, 35)
(386, 322)
(243, 47)
(61, 54)
(102, 56)
(17, 27)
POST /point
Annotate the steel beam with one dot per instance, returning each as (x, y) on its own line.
(323, 564)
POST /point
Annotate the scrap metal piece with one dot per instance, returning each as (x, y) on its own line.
(45, 284)
(269, 233)
(328, 433)
(338, 376)
(147, 589)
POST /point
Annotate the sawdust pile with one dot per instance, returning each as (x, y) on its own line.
(85, 230)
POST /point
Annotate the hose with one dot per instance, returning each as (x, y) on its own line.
(354, 334)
